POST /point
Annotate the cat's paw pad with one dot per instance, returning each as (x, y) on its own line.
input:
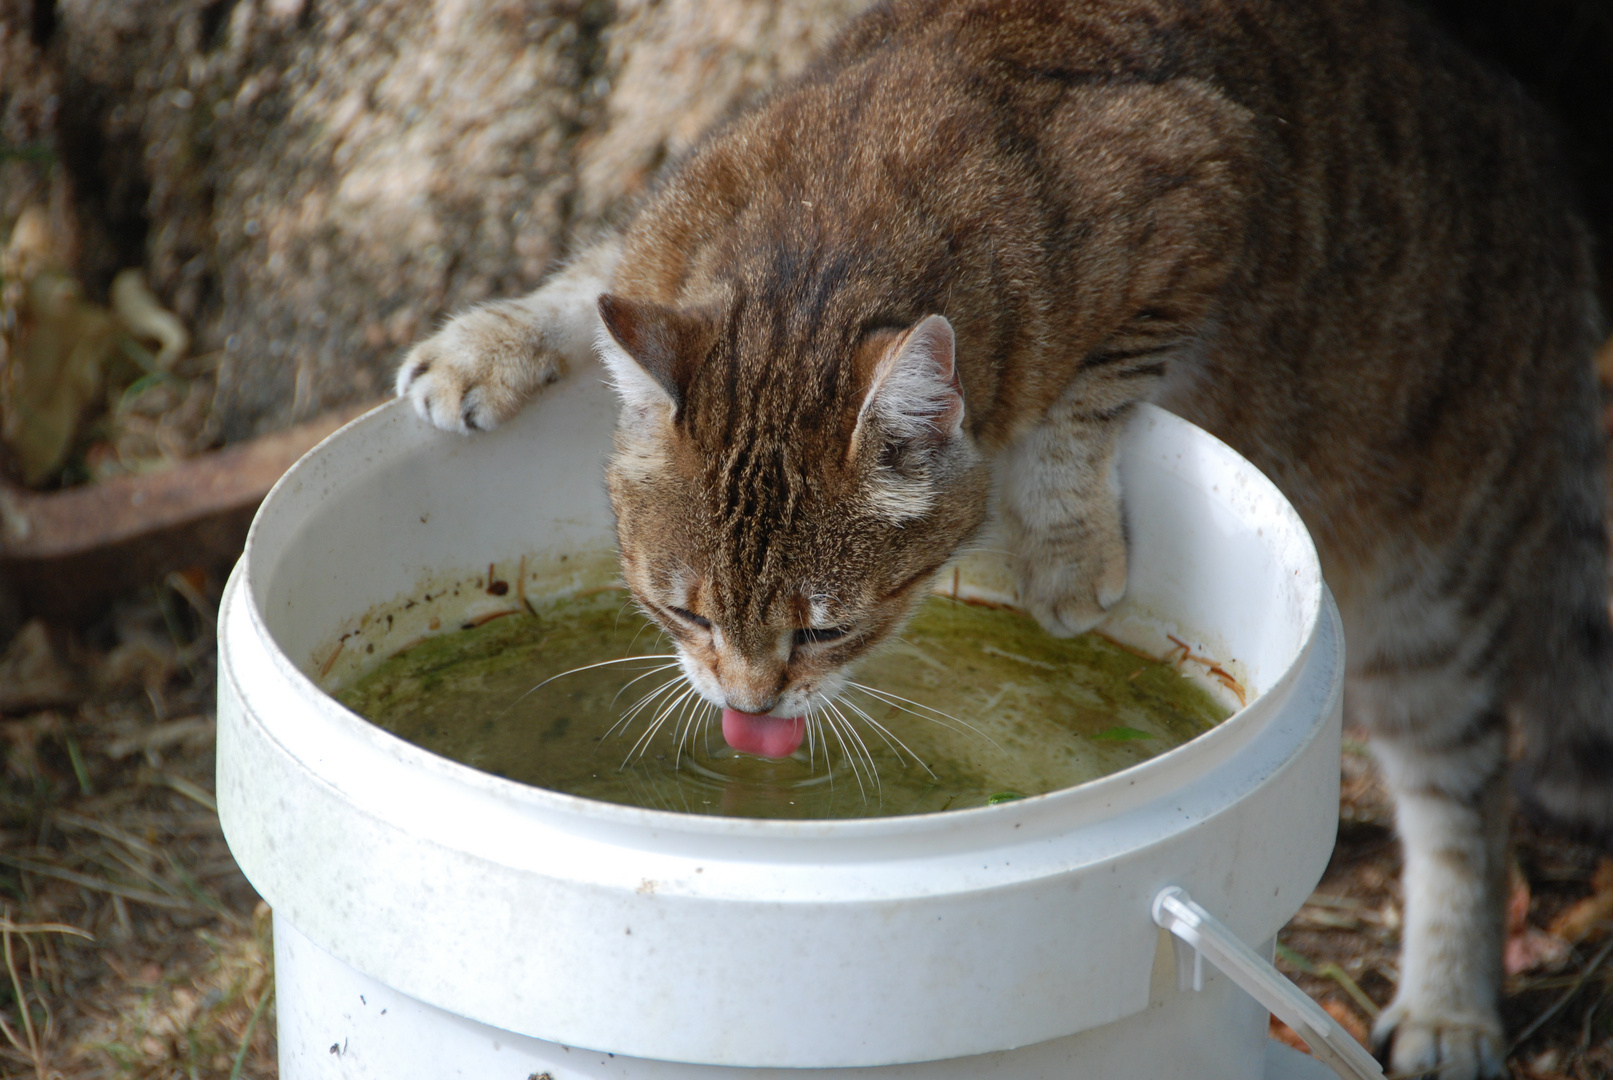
(1451, 1047)
(1070, 596)
(1067, 617)
(476, 372)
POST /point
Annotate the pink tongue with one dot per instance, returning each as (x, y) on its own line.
(762, 735)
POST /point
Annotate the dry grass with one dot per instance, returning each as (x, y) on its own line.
(141, 953)
(139, 949)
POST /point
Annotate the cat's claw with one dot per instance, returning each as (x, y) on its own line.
(1073, 611)
(1070, 594)
(477, 371)
(1067, 617)
(1447, 1047)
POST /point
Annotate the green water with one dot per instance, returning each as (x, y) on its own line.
(1000, 710)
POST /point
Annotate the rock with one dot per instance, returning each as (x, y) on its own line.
(310, 186)
(32, 676)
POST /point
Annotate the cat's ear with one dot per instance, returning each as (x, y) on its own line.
(913, 395)
(651, 352)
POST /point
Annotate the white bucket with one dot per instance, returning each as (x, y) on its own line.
(435, 921)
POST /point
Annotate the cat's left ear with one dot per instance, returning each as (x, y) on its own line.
(914, 396)
(651, 352)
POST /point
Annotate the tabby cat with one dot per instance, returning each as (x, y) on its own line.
(972, 237)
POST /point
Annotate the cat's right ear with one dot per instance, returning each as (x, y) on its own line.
(914, 395)
(651, 352)
(913, 410)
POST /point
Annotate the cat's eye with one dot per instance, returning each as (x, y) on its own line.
(812, 635)
(689, 616)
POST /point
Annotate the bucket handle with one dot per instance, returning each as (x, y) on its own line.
(1200, 935)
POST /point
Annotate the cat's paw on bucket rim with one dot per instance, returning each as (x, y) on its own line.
(763, 735)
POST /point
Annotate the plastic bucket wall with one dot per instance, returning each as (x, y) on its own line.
(1020, 931)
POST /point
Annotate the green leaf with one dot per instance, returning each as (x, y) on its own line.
(138, 353)
(39, 152)
(142, 384)
(1121, 733)
(79, 770)
(1294, 959)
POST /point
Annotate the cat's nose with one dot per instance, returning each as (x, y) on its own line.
(750, 684)
(746, 700)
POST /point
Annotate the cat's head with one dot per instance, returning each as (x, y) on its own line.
(783, 500)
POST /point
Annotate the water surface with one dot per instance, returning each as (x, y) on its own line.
(972, 705)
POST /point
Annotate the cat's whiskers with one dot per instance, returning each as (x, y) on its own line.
(637, 678)
(661, 634)
(643, 703)
(663, 710)
(888, 736)
(811, 731)
(869, 764)
(845, 753)
(631, 601)
(817, 733)
(683, 730)
(851, 744)
(872, 763)
(712, 713)
(603, 663)
(586, 667)
(929, 713)
(682, 717)
(654, 726)
(680, 721)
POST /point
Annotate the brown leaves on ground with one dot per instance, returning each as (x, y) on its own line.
(89, 391)
(1347, 1018)
(108, 827)
(1530, 948)
(192, 1018)
(1343, 946)
(1591, 917)
(33, 676)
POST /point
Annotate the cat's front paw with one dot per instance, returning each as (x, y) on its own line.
(1450, 1044)
(477, 371)
(1069, 590)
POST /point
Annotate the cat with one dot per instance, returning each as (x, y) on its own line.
(975, 234)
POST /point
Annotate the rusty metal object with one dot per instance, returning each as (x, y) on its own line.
(65, 554)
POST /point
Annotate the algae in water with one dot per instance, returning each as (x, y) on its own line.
(971, 706)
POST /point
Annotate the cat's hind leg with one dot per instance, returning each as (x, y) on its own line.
(478, 370)
(1428, 653)
(1451, 810)
(1501, 632)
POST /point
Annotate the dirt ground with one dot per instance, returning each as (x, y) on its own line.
(129, 932)
(141, 951)
(1342, 946)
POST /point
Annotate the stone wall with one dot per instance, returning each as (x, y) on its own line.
(310, 184)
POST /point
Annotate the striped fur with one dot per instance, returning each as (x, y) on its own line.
(1317, 229)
